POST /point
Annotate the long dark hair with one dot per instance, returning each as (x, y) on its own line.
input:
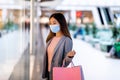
(63, 26)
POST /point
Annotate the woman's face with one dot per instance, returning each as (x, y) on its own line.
(53, 21)
(54, 25)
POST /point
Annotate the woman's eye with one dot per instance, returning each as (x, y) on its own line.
(54, 23)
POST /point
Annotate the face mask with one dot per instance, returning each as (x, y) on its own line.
(55, 28)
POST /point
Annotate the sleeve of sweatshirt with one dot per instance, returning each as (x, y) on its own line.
(68, 47)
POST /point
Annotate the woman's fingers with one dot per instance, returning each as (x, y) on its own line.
(74, 52)
(71, 53)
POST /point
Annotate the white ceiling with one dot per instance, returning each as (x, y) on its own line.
(91, 2)
(64, 4)
(72, 4)
(11, 4)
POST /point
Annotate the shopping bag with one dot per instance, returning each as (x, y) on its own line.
(68, 73)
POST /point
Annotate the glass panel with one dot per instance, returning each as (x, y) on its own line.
(14, 41)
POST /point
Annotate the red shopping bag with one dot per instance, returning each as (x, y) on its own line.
(65, 73)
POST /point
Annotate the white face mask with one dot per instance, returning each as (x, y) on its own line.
(55, 28)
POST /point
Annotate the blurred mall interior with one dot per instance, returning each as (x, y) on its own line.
(94, 26)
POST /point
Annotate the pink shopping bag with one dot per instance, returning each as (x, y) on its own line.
(65, 73)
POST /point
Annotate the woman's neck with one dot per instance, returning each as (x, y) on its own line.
(59, 34)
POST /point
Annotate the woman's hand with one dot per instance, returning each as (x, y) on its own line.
(71, 54)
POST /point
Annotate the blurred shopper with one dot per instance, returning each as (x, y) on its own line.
(115, 50)
(0, 34)
(81, 32)
(27, 26)
(59, 45)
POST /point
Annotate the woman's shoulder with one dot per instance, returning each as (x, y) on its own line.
(67, 38)
(68, 42)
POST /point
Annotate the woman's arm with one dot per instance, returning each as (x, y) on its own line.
(68, 54)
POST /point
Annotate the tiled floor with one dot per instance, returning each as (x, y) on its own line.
(96, 66)
(13, 45)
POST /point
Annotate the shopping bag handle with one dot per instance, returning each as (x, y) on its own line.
(72, 64)
(69, 63)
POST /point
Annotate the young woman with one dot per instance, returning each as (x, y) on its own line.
(59, 45)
